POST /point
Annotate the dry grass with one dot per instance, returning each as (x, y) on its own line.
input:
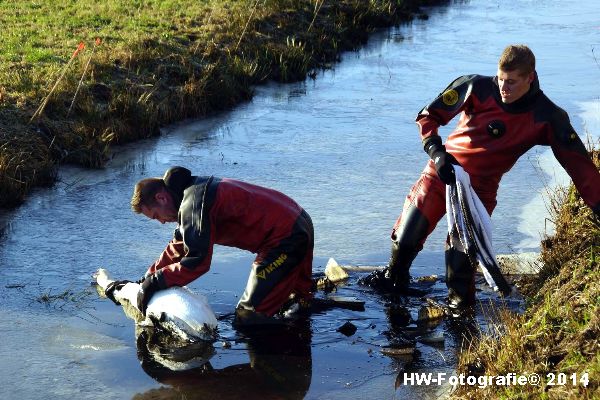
(158, 62)
(560, 331)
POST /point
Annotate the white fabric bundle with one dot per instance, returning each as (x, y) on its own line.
(469, 222)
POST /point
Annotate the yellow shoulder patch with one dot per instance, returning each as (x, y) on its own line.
(450, 97)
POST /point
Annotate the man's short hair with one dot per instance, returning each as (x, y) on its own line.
(517, 57)
(143, 193)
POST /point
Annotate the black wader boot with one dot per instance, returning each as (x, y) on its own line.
(407, 241)
(460, 279)
(401, 258)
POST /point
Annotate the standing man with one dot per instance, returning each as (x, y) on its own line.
(209, 211)
(501, 117)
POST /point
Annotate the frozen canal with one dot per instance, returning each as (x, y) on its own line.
(346, 147)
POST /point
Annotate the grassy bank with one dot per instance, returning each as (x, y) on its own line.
(559, 333)
(149, 63)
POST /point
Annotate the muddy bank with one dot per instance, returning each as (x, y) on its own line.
(125, 85)
(558, 337)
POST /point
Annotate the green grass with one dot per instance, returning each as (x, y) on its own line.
(158, 62)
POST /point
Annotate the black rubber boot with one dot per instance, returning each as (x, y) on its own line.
(395, 278)
(407, 241)
(248, 319)
(460, 279)
(398, 268)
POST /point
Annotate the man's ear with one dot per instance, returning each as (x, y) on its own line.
(531, 77)
(161, 198)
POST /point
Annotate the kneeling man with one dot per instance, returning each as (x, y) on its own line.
(210, 210)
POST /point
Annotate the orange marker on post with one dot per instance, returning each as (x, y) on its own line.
(40, 109)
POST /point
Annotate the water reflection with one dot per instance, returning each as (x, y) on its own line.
(5, 229)
(423, 336)
(159, 356)
(279, 367)
(457, 333)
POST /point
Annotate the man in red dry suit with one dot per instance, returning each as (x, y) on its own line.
(209, 211)
(501, 117)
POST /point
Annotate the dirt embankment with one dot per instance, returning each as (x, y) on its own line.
(558, 337)
(151, 67)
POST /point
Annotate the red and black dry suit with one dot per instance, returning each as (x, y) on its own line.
(488, 140)
(237, 214)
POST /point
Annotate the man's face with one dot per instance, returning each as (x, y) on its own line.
(513, 85)
(163, 211)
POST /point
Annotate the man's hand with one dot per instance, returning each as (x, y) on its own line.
(110, 290)
(443, 166)
(442, 160)
(147, 289)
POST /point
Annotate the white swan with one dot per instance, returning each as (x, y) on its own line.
(178, 310)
